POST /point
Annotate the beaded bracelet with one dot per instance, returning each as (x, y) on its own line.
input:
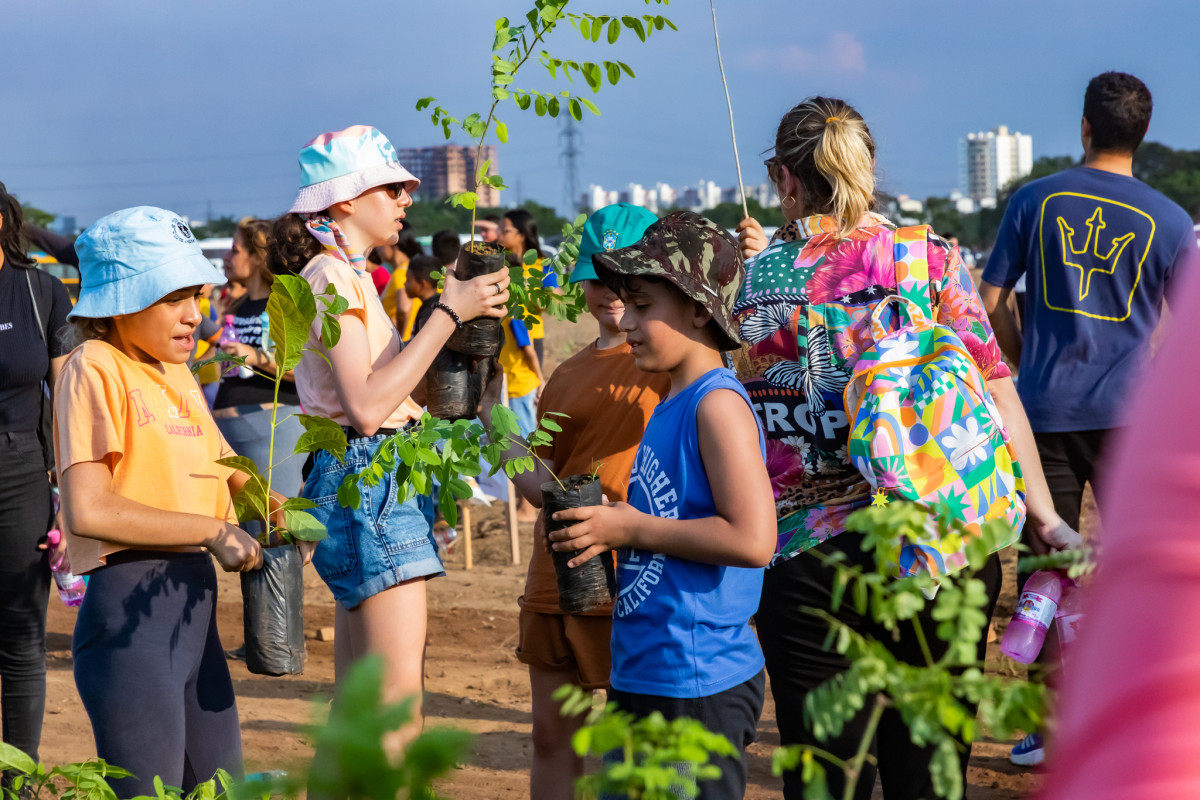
(458, 323)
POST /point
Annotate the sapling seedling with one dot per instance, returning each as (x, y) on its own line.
(291, 312)
(520, 43)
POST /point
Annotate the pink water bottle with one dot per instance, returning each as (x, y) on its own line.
(1035, 612)
(1069, 616)
(229, 336)
(70, 586)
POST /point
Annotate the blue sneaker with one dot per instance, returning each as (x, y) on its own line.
(1028, 752)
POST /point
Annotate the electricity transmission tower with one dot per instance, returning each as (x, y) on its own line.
(570, 137)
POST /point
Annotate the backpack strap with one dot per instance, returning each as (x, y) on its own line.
(912, 267)
(37, 311)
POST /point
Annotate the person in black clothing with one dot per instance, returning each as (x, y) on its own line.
(33, 323)
(243, 404)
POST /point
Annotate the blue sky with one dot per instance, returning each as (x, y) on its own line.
(184, 105)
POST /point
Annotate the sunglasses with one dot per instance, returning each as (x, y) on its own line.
(772, 165)
(394, 189)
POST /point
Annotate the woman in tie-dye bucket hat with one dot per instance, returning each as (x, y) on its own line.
(353, 196)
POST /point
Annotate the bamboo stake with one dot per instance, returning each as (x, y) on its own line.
(465, 516)
(737, 162)
(514, 531)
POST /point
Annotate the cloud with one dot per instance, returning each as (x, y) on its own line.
(841, 53)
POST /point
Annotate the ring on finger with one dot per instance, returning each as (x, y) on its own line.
(497, 287)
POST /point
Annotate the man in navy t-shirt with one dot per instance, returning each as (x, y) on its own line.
(1099, 250)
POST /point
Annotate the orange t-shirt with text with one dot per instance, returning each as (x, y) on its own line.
(150, 424)
(608, 402)
(314, 377)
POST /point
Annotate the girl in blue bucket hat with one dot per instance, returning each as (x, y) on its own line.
(377, 557)
(144, 506)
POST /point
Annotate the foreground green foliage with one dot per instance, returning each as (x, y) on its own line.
(645, 759)
(352, 759)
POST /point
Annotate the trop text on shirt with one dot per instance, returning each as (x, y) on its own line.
(775, 419)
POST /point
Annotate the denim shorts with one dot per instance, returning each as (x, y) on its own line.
(376, 546)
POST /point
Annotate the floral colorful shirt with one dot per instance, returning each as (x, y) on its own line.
(804, 319)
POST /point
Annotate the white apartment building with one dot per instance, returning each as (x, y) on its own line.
(988, 161)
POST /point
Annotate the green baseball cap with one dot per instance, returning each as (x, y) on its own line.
(697, 256)
(607, 229)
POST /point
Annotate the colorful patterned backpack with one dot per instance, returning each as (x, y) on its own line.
(923, 426)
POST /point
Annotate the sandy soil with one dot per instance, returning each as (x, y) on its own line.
(472, 678)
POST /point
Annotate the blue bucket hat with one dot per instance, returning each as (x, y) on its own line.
(607, 229)
(131, 259)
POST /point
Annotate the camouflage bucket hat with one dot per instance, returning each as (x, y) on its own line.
(694, 254)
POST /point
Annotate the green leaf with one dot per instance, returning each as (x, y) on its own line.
(321, 433)
(590, 105)
(448, 506)
(463, 199)
(348, 494)
(250, 503)
(552, 106)
(585, 28)
(576, 109)
(523, 100)
(291, 309)
(635, 24)
(12, 758)
(241, 464)
(302, 525)
(539, 106)
(501, 131)
(625, 68)
(593, 76)
(614, 72)
(614, 30)
(424, 103)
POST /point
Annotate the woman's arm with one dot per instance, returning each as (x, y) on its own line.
(1052, 532)
(741, 534)
(94, 511)
(369, 396)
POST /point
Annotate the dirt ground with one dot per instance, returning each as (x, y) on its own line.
(472, 678)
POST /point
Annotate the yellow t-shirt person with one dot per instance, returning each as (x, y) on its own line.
(151, 425)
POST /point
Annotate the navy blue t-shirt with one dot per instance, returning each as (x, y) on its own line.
(681, 628)
(1101, 251)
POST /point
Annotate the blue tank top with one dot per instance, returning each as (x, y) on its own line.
(680, 627)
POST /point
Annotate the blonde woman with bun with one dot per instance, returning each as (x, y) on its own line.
(803, 318)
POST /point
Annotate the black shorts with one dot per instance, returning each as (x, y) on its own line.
(733, 713)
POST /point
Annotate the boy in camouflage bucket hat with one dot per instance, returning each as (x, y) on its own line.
(696, 255)
(699, 524)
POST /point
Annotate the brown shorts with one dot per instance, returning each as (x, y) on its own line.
(557, 642)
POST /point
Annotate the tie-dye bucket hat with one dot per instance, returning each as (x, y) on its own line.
(342, 165)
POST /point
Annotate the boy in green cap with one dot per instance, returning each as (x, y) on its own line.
(700, 522)
(607, 401)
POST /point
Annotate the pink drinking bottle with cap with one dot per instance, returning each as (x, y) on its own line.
(1035, 612)
(70, 586)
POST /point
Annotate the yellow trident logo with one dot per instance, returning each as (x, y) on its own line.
(1103, 291)
(1094, 225)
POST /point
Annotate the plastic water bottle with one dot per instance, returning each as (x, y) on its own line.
(70, 586)
(229, 336)
(1035, 613)
(265, 345)
(1069, 616)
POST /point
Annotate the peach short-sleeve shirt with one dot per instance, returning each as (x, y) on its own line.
(150, 424)
(314, 377)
